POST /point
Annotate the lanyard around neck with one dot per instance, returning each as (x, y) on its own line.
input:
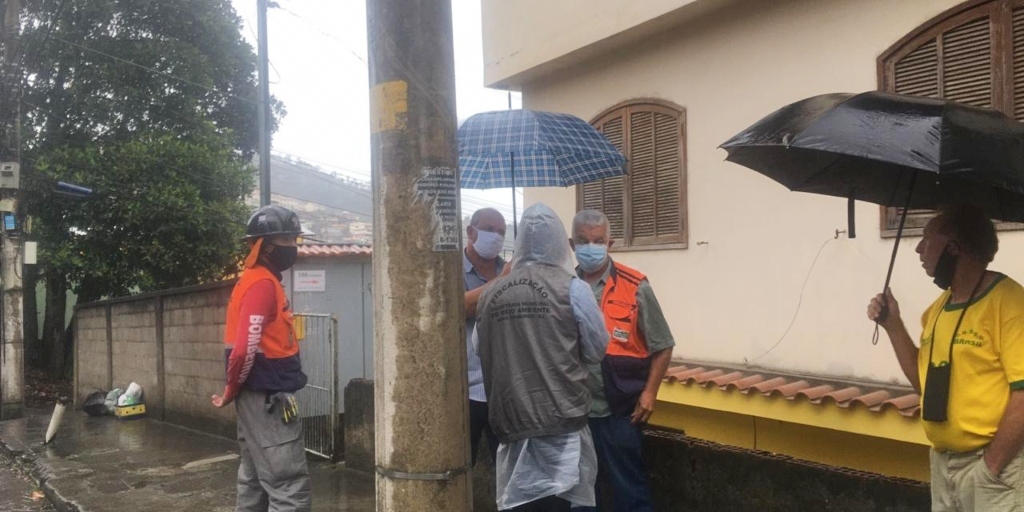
(952, 339)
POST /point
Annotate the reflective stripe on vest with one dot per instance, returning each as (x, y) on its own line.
(621, 311)
(278, 338)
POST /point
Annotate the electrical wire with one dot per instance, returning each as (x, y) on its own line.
(154, 70)
(360, 172)
(210, 181)
(18, 256)
(248, 25)
(799, 303)
(98, 180)
(324, 32)
(475, 203)
(472, 202)
(192, 174)
(38, 51)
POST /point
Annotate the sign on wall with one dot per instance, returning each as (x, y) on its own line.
(310, 281)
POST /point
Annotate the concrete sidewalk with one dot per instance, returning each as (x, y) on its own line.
(104, 464)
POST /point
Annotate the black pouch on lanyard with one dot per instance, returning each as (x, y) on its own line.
(935, 404)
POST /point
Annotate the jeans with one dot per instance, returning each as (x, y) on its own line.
(620, 464)
(478, 425)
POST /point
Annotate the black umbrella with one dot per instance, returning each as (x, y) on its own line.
(893, 150)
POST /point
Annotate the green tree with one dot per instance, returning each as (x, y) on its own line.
(152, 103)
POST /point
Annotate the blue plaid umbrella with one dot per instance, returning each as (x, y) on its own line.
(525, 148)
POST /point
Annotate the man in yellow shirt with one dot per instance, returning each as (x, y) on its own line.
(969, 368)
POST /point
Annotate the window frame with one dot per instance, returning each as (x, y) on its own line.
(1000, 14)
(655, 243)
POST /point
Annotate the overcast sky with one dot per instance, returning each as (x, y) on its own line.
(318, 69)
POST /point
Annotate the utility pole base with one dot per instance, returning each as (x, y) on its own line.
(422, 495)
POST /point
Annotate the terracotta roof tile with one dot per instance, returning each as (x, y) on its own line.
(821, 391)
(727, 378)
(683, 374)
(843, 396)
(907, 405)
(767, 385)
(745, 383)
(328, 250)
(814, 393)
(788, 390)
(871, 399)
(705, 377)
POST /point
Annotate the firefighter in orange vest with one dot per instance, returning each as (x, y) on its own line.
(263, 370)
(626, 382)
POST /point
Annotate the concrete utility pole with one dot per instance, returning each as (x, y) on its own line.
(12, 355)
(263, 68)
(422, 417)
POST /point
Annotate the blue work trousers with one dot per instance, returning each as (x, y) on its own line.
(620, 464)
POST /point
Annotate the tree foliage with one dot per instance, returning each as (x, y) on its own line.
(166, 212)
(151, 103)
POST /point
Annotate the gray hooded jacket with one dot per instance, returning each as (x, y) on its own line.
(535, 379)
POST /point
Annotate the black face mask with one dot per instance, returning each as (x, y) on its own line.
(282, 258)
(945, 269)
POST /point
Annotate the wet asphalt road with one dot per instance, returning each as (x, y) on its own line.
(16, 491)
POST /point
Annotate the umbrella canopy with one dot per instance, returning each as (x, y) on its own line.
(893, 150)
(880, 147)
(526, 148)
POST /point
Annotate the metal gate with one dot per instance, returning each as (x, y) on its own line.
(318, 401)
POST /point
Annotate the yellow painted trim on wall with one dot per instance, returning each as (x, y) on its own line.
(888, 424)
(843, 449)
(825, 446)
(720, 427)
(886, 443)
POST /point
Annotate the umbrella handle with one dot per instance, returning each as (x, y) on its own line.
(884, 313)
(512, 171)
(881, 318)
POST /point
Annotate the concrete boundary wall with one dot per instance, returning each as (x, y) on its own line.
(169, 342)
(692, 475)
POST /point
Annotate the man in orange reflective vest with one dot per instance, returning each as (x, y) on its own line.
(638, 355)
(263, 370)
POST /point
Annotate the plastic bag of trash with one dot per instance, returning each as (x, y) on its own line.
(111, 400)
(95, 404)
(131, 396)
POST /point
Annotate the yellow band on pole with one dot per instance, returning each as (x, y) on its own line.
(389, 104)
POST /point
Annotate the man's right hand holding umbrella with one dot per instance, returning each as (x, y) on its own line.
(885, 310)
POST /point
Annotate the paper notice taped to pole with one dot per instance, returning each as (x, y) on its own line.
(439, 189)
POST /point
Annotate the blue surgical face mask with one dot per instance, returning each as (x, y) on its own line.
(591, 256)
(488, 244)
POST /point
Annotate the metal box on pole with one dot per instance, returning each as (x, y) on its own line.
(10, 175)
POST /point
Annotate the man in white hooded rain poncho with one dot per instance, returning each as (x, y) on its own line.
(537, 329)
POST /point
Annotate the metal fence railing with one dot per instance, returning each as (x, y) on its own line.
(318, 401)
